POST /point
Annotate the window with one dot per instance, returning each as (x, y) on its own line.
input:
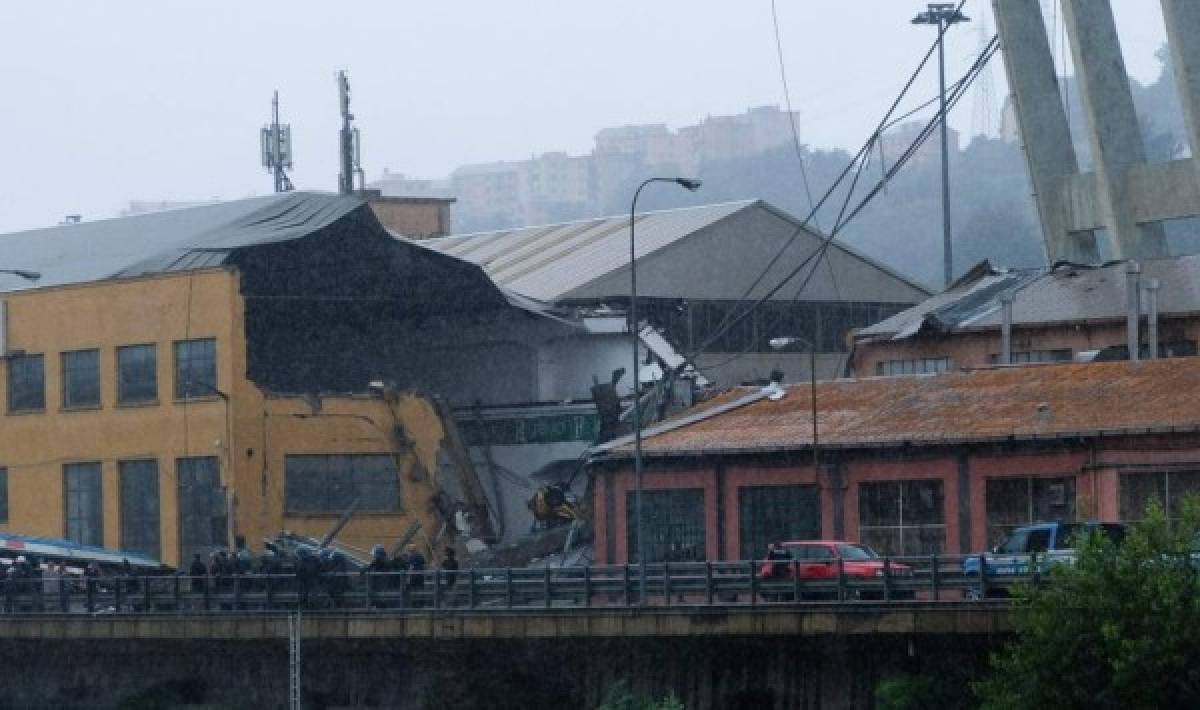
(195, 368)
(1031, 356)
(85, 510)
(3, 495)
(26, 383)
(1013, 502)
(139, 506)
(1168, 487)
(917, 366)
(768, 514)
(203, 519)
(329, 484)
(137, 374)
(81, 378)
(902, 517)
(673, 521)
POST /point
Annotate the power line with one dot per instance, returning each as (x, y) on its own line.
(787, 97)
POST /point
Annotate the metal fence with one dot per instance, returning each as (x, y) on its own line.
(684, 584)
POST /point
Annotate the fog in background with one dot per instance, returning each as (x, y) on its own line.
(124, 100)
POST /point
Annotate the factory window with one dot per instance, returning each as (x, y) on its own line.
(916, 366)
(1012, 502)
(195, 368)
(768, 514)
(330, 484)
(81, 378)
(902, 517)
(137, 373)
(203, 516)
(3, 495)
(139, 506)
(1025, 357)
(26, 383)
(673, 521)
(84, 508)
(1169, 488)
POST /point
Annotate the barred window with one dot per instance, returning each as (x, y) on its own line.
(137, 373)
(203, 514)
(1013, 502)
(330, 483)
(139, 506)
(673, 521)
(195, 368)
(915, 366)
(768, 514)
(26, 383)
(81, 378)
(84, 506)
(902, 517)
(1168, 487)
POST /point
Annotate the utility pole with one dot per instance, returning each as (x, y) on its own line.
(276, 145)
(943, 14)
(349, 157)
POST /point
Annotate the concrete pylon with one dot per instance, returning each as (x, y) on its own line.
(1045, 134)
(1113, 132)
(1182, 18)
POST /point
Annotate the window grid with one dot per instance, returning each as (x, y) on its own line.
(137, 373)
(674, 524)
(139, 506)
(902, 517)
(1025, 357)
(1011, 502)
(26, 383)
(1170, 488)
(195, 368)
(81, 378)
(915, 366)
(203, 517)
(769, 514)
(84, 506)
(330, 483)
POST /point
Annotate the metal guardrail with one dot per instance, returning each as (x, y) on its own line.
(930, 579)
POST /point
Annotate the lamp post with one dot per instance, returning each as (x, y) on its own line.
(23, 273)
(691, 185)
(943, 14)
(783, 343)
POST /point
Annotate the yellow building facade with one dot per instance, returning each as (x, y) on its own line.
(241, 431)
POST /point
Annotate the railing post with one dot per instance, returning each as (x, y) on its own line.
(147, 594)
(437, 589)
(587, 586)
(118, 593)
(269, 590)
(935, 576)
(369, 579)
(887, 579)
(625, 584)
(237, 591)
(666, 583)
(471, 591)
(753, 585)
(508, 587)
(546, 587)
(708, 582)
(983, 575)
(795, 581)
(841, 580)
(208, 582)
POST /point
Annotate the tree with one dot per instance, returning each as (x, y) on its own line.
(1115, 630)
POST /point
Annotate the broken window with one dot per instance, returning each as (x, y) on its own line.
(84, 506)
(1016, 501)
(331, 483)
(195, 368)
(902, 517)
(673, 521)
(137, 374)
(1169, 488)
(81, 378)
(138, 482)
(26, 383)
(203, 519)
(768, 514)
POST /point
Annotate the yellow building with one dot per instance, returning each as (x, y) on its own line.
(175, 380)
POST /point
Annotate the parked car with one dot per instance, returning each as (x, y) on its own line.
(817, 561)
(1051, 543)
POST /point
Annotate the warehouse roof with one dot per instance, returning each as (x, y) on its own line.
(557, 262)
(171, 240)
(1066, 293)
(992, 404)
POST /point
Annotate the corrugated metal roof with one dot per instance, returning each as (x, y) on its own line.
(1032, 402)
(172, 240)
(1068, 293)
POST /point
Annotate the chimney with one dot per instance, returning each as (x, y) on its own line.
(1152, 316)
(1006, 303)
(412, 217)
(1133, 305)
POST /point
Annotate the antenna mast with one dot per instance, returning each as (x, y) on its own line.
(276, 143)
(349, 143)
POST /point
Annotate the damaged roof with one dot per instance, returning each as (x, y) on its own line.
(1065, 293)
(172, 240)
(991, 404)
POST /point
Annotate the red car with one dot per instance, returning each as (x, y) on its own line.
(817, 560)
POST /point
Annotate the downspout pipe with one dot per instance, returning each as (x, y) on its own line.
(1152, 286)
(1133, 276)
(1006, 315)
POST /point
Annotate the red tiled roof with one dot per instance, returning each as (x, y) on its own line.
(1033, 402)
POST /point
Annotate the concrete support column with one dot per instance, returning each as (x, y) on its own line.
(1049, 153)
(1113, 130)
(1183, 38)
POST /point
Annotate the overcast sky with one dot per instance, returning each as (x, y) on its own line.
(114, 101)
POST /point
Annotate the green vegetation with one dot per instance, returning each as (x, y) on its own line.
(1118, 629)
(620, 697)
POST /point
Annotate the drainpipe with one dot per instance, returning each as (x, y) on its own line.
(1006, 303)
(1132, 280)
(1152, 316)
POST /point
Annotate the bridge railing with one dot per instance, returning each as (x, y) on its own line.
(930, 578)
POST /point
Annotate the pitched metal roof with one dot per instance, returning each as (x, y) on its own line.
(172, 240)
(1067, 293)
(992, 404)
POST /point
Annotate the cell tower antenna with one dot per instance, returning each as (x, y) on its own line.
(983, 112)
(349, 142)
(276, 143)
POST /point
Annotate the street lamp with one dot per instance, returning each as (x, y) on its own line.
(692, 185)
(943, 14)
(27, 275)
(784, 343)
